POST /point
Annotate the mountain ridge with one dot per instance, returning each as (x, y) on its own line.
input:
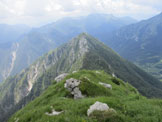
(82, 52)
(31, 44)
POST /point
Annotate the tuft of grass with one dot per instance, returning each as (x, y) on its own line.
(91, 89)
(106, 116)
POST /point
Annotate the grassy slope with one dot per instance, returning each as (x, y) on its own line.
(125, 99)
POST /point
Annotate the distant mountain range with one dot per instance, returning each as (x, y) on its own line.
(82, 52)
(11, 33)
(19, 47)
(141, 43)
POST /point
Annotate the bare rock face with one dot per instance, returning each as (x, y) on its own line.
(106, 85)
(60, 77)
(98, 106)
(73, 86)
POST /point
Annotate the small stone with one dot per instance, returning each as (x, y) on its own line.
(98, 106)
(74, 72)
(98, 72)
(54, 113)
(113, 75)
(60, 77)
(106, 85)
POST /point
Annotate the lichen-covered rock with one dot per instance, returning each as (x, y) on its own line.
(73, 86)
(106, 85)
(60, 77)
(98, 106)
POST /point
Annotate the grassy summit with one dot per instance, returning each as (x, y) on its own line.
(129, 105)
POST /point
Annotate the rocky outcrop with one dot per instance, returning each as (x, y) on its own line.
(60, 77)
(106, 85)
(73, 86)
(98, 106)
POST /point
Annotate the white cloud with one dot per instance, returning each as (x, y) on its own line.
(37, 12)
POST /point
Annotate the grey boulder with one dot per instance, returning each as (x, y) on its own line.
(98, 106)
(106, 85)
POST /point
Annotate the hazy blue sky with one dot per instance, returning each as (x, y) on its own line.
(38, 12)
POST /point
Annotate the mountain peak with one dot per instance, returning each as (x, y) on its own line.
(84, 42)
(80, 39)
(80, 43)
(83, 35)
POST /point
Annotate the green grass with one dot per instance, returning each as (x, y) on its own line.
(129, 105)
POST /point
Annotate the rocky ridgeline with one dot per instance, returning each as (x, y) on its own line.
(73, 86)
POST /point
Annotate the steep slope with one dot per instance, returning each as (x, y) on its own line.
(141, 43)
(82, 52)
(125, 102)
(32, 81)
(32, 45)
(9, 36)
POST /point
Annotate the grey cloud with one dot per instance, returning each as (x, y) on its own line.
(38, 12)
